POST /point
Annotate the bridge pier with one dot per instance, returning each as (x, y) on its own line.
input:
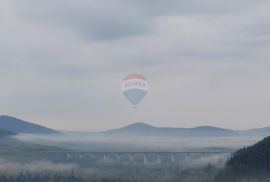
(158, 159)
(131, 157)
(105, 157)
(118, 157)
(173, 158)
(92, 156)
(144, 159)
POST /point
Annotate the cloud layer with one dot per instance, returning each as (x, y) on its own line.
(206, 62)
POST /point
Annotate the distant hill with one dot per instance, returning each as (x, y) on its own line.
(258, 131)
(14, 149)
(13, 125)
(143, 129)
(265, 129)
(262, 132)
(4, 133)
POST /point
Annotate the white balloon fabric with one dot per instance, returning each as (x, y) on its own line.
(135, 87)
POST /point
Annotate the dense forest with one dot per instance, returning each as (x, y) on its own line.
(28, 177)
(248, 164)
(119, 174)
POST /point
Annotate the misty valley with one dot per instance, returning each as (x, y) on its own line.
(138, 152)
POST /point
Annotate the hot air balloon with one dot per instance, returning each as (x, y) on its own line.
(135, 87)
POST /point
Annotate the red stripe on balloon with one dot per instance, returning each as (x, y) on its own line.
(134, 75)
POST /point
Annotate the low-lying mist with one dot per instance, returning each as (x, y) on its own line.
(13, 168)
(91, 142)
(109, 170)
(55, 166)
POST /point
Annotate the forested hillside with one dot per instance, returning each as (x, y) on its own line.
(249, 164)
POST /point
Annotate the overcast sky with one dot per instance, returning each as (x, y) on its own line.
(207, 62)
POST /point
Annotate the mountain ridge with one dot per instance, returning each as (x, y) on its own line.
(15, 125)
(11, 125)
(141, 128)
(146, 129)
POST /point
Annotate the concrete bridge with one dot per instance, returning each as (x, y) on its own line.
(145, 157)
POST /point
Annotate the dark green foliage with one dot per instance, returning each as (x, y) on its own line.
(27, 177)
(248, 164)
(256, 157)
(121, 174)
(206, 174)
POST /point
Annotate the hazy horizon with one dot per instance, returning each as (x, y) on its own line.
(133, 123)
(207, 62)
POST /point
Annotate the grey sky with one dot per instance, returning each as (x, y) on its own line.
(207, 62)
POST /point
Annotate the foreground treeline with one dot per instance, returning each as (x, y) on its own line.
(28, 177)
(207, 173)
(149, 174)
(248, 164)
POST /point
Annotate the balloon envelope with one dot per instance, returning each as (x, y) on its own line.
(135, 87)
